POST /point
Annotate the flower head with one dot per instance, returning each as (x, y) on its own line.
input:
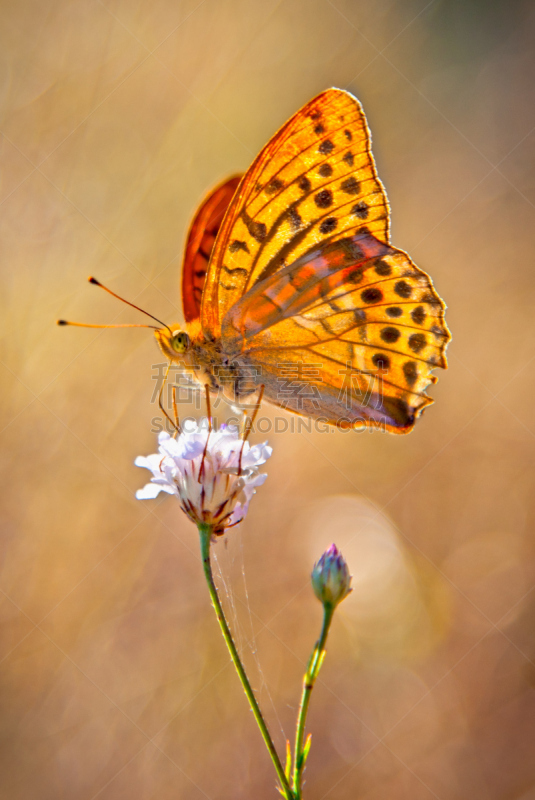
(213, 473)
(330, 577)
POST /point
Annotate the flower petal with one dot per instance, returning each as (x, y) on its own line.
(152, 490)
(186, 446)
(151, 462)
(257, 455)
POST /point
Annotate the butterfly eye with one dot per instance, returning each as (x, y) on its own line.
(180, 341)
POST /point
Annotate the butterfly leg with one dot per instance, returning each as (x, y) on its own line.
(249, 422)
(243, 424)
(208, 406)
(175, 414)
(160, 393)
(209, 413)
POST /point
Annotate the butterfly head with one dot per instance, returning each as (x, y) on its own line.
(174, 342)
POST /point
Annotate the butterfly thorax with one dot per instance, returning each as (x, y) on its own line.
(207, 364)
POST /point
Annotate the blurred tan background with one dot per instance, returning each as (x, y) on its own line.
(117, 117)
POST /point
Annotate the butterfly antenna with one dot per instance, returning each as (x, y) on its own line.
(128, 303)
(88, 325)
(249, 424)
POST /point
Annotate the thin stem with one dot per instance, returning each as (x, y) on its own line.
(205, 532)
(313, 668)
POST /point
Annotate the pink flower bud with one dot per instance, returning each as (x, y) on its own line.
(330, 577)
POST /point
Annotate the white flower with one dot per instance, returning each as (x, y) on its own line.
(202, 468)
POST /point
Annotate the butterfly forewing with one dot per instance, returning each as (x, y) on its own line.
(315, 182)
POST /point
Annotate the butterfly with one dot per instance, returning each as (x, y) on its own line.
(290, 283)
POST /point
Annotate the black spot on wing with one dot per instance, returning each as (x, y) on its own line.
(418, 315)
(430, 298)
(371, 295)
(382, 268)
(403, 289)
(417, 342)
(328, 225)
(410, 370)
(355, 276)
(235, 270)
(381, 361)
(324, 199)
(257, 230)
(237, 245)
(274, 186)
(360, 210)
(350, 185)
(390, 335)
(325, 170)
(295, 218)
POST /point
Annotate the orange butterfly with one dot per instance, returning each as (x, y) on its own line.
(290, 283)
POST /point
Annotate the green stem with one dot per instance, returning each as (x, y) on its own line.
(313, 668)
(205, 532)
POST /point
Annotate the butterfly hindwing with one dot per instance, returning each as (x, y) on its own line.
(199, 245)
(360, 317)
